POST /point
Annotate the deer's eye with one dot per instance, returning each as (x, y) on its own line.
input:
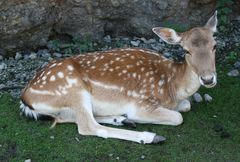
(214, 47)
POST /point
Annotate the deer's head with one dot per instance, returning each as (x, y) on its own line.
(200, 46)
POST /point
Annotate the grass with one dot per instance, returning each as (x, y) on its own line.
(210, 133)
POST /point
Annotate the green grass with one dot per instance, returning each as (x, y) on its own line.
(202, 137)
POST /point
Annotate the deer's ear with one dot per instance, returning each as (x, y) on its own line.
(168, 35)
(212, 23)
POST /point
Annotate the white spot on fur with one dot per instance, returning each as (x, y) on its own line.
(161, 82)
(69, 67)
(60, 74)
(52, 78)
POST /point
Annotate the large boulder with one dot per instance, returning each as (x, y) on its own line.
(29, 23)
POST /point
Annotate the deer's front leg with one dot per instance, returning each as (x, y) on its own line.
(183, 106)
(87, 124)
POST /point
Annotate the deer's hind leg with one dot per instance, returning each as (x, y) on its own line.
(87, 125)
(156, 116)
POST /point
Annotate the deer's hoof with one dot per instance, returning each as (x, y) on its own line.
(158, 139)
(129, 123)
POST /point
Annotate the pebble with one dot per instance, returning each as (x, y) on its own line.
(237, 64)
(142, 157)
(207, 98)
(233, 73)
(28, 160)
(58, 55)
(33, 55)
(135, 43)
(167, 54)
(44, 64)
(197, 97)
(18, 56)
(155, 47)
(3, 66)
(2, 86)
(77, 139)
(150, 41)
(107, 39)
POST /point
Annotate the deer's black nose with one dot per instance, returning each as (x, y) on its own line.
(207, 80)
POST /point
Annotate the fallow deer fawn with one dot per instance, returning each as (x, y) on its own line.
(124, 86)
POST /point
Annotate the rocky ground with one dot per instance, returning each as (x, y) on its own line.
(15, 72)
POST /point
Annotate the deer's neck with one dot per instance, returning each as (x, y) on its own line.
(187, 82)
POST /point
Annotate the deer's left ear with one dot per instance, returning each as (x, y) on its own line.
(212, 22)
(168, 35)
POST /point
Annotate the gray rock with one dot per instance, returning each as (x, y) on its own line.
(18, 56)
(207, 98)
(58, 55)
(155, 47)
(28, 160)
(33, 55)
(44, 64)
(3, 66)
(149, 41)
(52, 137)
(166, 54)
(233, 73)
(33, 22)
(237, 64)
(142, 157)
(197, 97)
(2, 86)
(135, 43)
(107, 39)
(1, 57)
(125, 39)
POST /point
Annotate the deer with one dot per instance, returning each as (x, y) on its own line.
(125, 86)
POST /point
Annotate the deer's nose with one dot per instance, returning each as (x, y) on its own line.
(208, 80)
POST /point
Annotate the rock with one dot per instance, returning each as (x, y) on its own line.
(44, 64)
(77, 139)
(207, 98)
(107, 39)
(1, 57)
(197, 97)
(135, 43)
(28, 160)
(155, 47)
(233, 73)
(33, 56)
(52, 137)
(18, 56)
(3, 66)
(237, 65)
(142, 157)
(110, 155)
(2, 86)
(31, 23)
(58, 55)
(150, 41)
(117, 158)
(166, 54)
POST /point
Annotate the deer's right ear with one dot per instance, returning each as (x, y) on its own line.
(168, 35)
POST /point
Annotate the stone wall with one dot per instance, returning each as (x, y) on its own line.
(29, 23)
